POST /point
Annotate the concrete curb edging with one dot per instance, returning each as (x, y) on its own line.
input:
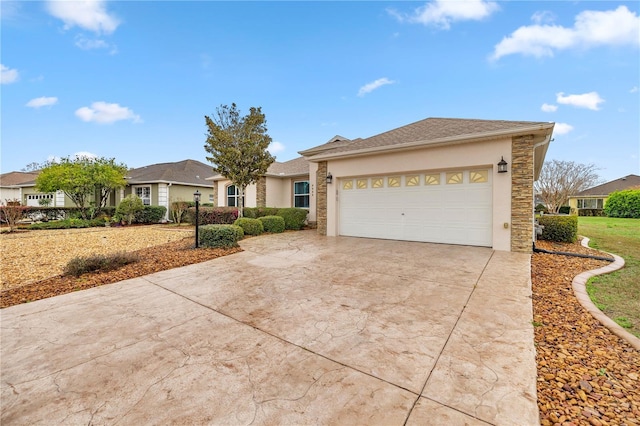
(580, 291)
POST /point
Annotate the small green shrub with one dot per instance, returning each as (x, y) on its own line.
(219, 235)
(67, 224)
(591, 212)
(273, 224)
(562, 229)
(150, 214)
(294, 218)
(129, 207)
(99, 262)
(249, 226)
(564, 210)
(258, 212)
(541, 208)
(623, 204)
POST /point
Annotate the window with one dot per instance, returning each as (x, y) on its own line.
(233, 193)
(590, 203)
(454, 178)
(144, 193)
(413, 180)
(301, 194)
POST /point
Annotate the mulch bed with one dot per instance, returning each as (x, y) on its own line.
(152, 259)
(586, 374)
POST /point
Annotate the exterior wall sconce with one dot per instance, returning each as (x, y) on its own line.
(196, 198)
(502, 166)
(329, 178)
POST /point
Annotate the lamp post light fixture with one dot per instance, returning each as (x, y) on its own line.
(502, 166)
(196, 198)
(329, 178)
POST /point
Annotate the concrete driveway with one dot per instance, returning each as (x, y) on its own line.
(297, 329)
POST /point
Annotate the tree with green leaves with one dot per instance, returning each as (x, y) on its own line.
(238, 146)
(82, 179)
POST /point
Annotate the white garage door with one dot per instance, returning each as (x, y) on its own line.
(452, 207)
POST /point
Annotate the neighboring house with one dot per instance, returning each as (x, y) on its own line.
(11, 185)
(596, 197)
(284, 185)
(161, 184)
(435, 180)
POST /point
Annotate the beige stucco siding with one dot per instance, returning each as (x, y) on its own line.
(277, 192)
(452, 157)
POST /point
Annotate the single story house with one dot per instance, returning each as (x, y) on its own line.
(596, 197)
(442, 180)
(10, 185)
(163, 183)
(286, 184)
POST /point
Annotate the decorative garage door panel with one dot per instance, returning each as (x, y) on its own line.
(445, 207)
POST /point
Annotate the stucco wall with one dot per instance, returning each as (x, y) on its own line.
(463, 156)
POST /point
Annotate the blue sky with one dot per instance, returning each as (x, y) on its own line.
(133, 80)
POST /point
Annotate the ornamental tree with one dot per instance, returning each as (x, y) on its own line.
(238, 146)
(559, 180)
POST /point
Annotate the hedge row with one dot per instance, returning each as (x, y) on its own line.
(591, 212)
(212, 215)
(559, 228)
(250, 226)
(623, 204)
(219, 235)
(294, 218)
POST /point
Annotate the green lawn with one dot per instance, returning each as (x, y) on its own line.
(616, 294)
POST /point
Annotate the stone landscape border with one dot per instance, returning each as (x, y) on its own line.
(580, 290)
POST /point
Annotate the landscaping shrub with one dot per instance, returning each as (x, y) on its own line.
(68, 224)
(249, 226)
(591, 212)
(212, 215)
(178, 209)
(541, 208)
(273, 224)
(624, 203)
(294, 218)
(258, 212)
(219, 235)
(150, 214)
(564, 210)
(12, 212)
(99, 262)
(562, 229)
(129, 207)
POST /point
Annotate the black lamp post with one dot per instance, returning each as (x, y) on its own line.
(196, 198)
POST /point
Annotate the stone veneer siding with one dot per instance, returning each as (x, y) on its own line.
(215, 193)
(261, 194)
(321, 199)
(522, 194)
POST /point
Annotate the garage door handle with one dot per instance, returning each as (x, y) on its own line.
(402, 214)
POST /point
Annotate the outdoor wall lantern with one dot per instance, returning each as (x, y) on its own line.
(502, 166)
(329, 178)
(196, 198)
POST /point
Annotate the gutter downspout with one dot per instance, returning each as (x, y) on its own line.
(546, 141)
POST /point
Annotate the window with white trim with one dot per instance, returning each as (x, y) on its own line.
(144, 193)
(233, 194)
(301, 194)
(590, 203)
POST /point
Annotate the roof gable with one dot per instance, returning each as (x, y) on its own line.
(607, 188)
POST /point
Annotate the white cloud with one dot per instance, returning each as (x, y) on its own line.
(8, 75)
(85, 154)
(562, 128)
(275, 147)
(370, 87)
(591, 28)
(85, 43)
(634, 89)
(102, 112)
(441, 13)
(549, 108)
(42, 101)
(589, 100)
(543, 17)
(88, 14)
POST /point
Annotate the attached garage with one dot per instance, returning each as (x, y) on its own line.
(439, 207)
(435, 180)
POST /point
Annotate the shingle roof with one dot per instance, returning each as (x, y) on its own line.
(17, 178)
(429, 129)
(189, 172)
(626, 182)
(297, 166)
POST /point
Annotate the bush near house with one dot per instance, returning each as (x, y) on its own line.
(541, 208)
(559, 228)
(67, 224)
(273, 224)
(258, 212)
(294, 218)
(129, 207)
(624, 203)
(591, 212)
(220, 235)
(150, 214)
(564, 210)
(250, 226)
(212, 215)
